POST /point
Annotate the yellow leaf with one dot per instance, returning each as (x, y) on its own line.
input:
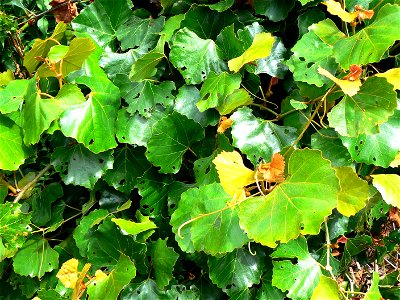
(233, 174)
(327, 288)
(99, 275)
(260, 48)
(224, 124)
(335, 8)
(68, 274)
(389, 186)
(396, 162)
(348, 87)
(392, 76)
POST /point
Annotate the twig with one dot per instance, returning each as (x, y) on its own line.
(31, 183)
(9, 186)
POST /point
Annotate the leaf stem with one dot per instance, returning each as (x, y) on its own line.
(31, 183)
(8, 185)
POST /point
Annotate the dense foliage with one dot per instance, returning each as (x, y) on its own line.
(199, 149)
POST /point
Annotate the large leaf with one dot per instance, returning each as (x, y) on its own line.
(101, 19)
(41, 203)
(388, 185)
(14, 228)
(259, 138)
(171, 137)
(93, 122)
(163, 259)
(300, 278)
(41, 257)
(273, 10)
(12, 96)
(109, 286)
(13, 151)
(194, 57)
(378, 149)
(353, 193)
(361, 113)
(214, 228)
(79, 166)
(369, 44)
(290, 209)
(237, 270)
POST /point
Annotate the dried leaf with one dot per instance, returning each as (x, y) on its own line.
(68, 273)
(224, 124)
(335, 8)
(273, 171)
(64, 13)
(363, 14)
(348, 87)
(233, 174)
(394, 215)
(355, 73)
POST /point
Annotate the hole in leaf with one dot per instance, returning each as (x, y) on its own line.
(91, 142)
(101, 160)
(374, 158)
(302, 59)
(356, 148)
(183, 68)
(145, 206)
(172, 206)
(122, 182)
(361, 142)
(309, 65)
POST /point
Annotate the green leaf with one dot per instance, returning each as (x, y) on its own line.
(171, 137)
(354, 191)
(214, 228)
(144, 290)
(134, 228)
(41, 203)
(327, 288)
(101, 19)
(185, 104)
(12, 96)
(370, 44)
(145, 95)
(290, 210)
(378, 149)
(109, 287)
(6, 77)
(216, 88)
(260, 48)
(145, 67)
(93, 122)
(163, 259)
(259, 138)
(237, 99)
(14, 226)
(373, 292)
(85, 229)
(38, 113)
(106, 245)
(273, 65)
(299, 279)
(140, 34)
(129, 164)
(274, 11)
(194, 57)
(13, 151)
(229, 44)
(41, 47)
(372, 105)
(79, 166)
(328, 141)
(118, 65)
(41, 257)
(388, 185)
(222, 5)
(237, 270)
(305, 59)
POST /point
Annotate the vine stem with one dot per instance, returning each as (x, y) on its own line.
(31, 183)
(9, 186)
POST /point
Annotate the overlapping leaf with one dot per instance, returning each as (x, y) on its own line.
(163, 259)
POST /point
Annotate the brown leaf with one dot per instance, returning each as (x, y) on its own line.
(275, 170)
(394, 215)
(355, 73)
(64, 12)
(224, 124)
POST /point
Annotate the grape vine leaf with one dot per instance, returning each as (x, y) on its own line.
(327, 288)
(194, 57)
(388, 185)
(41, 257)
(369, 44)
(110, 286)
(259, 138)
(354, 191)
(237, 270)
(129, 164)
(290, 209)
(299, 279)
(79, 166)
(214, 228)
(145, 95)
(171, 137)
(361, 113)
(14, 228)
(101, 19)
(12, 96)
(378, 149)
(13, 151)
(163, 259)
(93, 122)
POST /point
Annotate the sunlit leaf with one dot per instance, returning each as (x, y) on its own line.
(68, 273)
(348, 87)
(327, 288)
(373, 292)
(388, 185)
(392, 76)
(12, 96)
(134, 228)
(335, 8)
